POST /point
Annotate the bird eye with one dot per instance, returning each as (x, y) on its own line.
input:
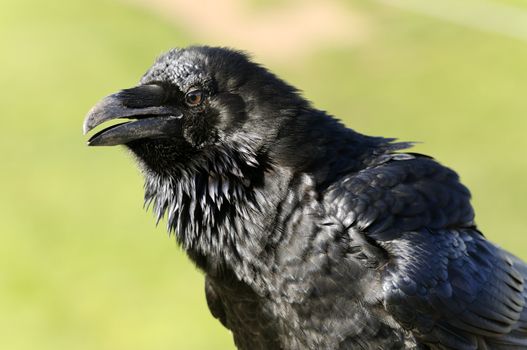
(194, 98)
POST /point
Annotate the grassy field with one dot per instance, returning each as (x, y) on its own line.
(82, 265)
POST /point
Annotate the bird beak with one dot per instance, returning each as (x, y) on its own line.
(144, 105)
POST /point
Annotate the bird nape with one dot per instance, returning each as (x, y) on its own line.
(310, 235)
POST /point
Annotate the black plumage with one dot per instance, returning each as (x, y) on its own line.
(311, 235)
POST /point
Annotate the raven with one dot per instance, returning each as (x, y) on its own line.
(310, 235)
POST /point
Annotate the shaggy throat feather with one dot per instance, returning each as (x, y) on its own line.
(208, 201)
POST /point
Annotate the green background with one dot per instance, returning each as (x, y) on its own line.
(82, 266)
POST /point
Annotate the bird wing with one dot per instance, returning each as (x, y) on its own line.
(442, 279)
(453, 287)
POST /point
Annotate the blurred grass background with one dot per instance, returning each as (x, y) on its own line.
(81, 264)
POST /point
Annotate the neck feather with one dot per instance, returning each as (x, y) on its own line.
(215, 205)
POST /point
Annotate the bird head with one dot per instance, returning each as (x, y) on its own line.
(203, 123)
(193, 102)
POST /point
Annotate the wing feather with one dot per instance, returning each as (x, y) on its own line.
(443, 280)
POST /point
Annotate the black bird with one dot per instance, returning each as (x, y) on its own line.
(310, 235)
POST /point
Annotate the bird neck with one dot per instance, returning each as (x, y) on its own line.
(216, 206)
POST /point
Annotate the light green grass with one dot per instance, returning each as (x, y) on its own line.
(81, 264)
